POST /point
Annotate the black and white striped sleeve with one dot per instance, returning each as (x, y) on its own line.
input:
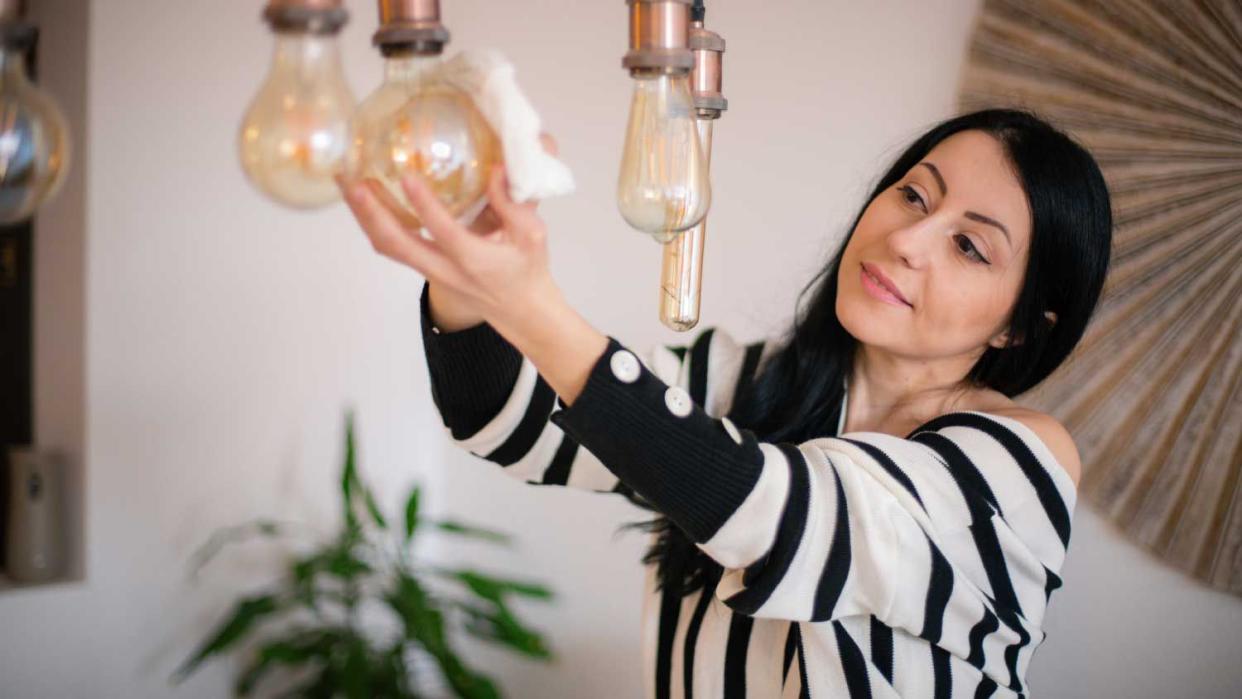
(494, 404)
(865, 523)
(472, 371)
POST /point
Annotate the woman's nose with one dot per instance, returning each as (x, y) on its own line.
(912, 244)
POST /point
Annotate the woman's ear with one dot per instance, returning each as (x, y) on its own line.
(1001, 340)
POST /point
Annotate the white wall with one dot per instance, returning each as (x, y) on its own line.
(225, 336)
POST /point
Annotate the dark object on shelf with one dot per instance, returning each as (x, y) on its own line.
(16, 360)
(16, 338)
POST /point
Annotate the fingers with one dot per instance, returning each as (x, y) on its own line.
(391, 239)
(516, 217)
(486, 223)
(386, 198)
(455, 239)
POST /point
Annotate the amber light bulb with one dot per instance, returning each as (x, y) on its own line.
(293, 138)
(681, 271)
(417, 122)
(663, 187)
(34, 140)
(681, 274)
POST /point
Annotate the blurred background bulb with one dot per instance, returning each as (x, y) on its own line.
(664, 187)
(417, 122)
(294, 136)
(34, 141)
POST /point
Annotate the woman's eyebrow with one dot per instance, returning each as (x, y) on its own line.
(944, 189)
(974, 216)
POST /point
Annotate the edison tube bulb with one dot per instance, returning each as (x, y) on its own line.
(416, 122)
(294, 136)
(664, 186)
(34, 142)
(681, 273)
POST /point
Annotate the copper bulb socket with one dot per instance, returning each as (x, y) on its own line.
(311, 16)
(321, 5)
(409, 11)
(411, 25)
(659, 36)
(707, 78)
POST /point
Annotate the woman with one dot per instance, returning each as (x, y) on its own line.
(859, 509)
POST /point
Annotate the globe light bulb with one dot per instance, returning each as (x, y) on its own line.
(294, 136)
(664, 187)
(34, 141)
(416, 122)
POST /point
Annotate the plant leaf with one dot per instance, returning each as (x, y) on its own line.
(356, 669)
(230, 535)
(349, 474)
(296, 648)
(245, 614)
(493, 588)
(499, 626)
(455, 527)
(424, 623)
(376, 515)
(338, 560)
(342, 563)
(304, 569)
(352, 485)
(389, 675)
(411, 513)
(319, 686)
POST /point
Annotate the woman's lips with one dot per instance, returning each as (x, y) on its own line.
(877, 289)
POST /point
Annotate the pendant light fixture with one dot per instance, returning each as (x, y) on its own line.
(663, 187)
(293, 137)
(34, 140)
(417, 121)
(681, 274)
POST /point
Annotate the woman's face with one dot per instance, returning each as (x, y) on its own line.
(936, 234)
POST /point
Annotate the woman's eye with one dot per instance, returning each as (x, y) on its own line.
(964, 243)
(908, 191)
(971, 251)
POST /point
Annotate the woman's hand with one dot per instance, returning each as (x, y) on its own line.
(497, 266)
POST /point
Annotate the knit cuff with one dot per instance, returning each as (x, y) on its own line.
(662, 444)
(473, 371)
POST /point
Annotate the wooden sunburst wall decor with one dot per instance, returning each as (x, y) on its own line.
(1153, 395)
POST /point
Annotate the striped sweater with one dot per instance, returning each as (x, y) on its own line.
(861, 565)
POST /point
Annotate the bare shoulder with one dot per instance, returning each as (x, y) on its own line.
(1052, 432)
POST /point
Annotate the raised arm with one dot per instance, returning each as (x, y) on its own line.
(494, 403)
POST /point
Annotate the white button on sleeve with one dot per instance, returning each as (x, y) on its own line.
(624, 366)
(678, 401)
(731, 429)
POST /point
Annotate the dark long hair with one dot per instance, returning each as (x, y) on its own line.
(796, 394)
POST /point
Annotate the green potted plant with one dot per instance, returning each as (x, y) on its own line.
(308, 624)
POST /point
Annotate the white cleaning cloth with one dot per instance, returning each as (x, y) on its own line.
(489, 78)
